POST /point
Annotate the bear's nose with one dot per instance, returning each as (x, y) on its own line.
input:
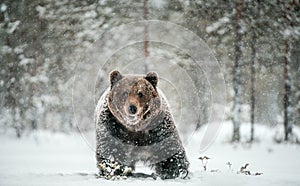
(132, 109)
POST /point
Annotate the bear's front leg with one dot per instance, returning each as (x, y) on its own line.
(109, 169)
(173, 167)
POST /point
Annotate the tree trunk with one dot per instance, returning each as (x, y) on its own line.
(287, 93)
(237, 84)
(253, 73)
(287, 77)
(146, 38)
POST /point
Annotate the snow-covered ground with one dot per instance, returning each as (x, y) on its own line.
(45, 158)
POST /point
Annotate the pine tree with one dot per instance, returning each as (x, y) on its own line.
(237, 84)
(290, 23)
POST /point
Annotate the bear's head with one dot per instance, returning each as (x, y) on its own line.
(134, 100)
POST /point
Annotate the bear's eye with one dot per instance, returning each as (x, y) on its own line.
(125, 94)
(140, 94)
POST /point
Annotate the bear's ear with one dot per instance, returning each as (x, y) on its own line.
(152, 78)
(115, 76)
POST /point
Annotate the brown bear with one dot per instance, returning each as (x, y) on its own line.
(134, 123)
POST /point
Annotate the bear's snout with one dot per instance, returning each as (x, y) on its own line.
(132, 109)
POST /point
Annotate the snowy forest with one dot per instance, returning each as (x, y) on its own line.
(229, 69)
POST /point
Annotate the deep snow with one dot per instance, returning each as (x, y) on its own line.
(45, 158)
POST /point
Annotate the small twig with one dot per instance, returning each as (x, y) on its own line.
(258, 174)
(229, 165)
(204, 161)
(243, 168)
